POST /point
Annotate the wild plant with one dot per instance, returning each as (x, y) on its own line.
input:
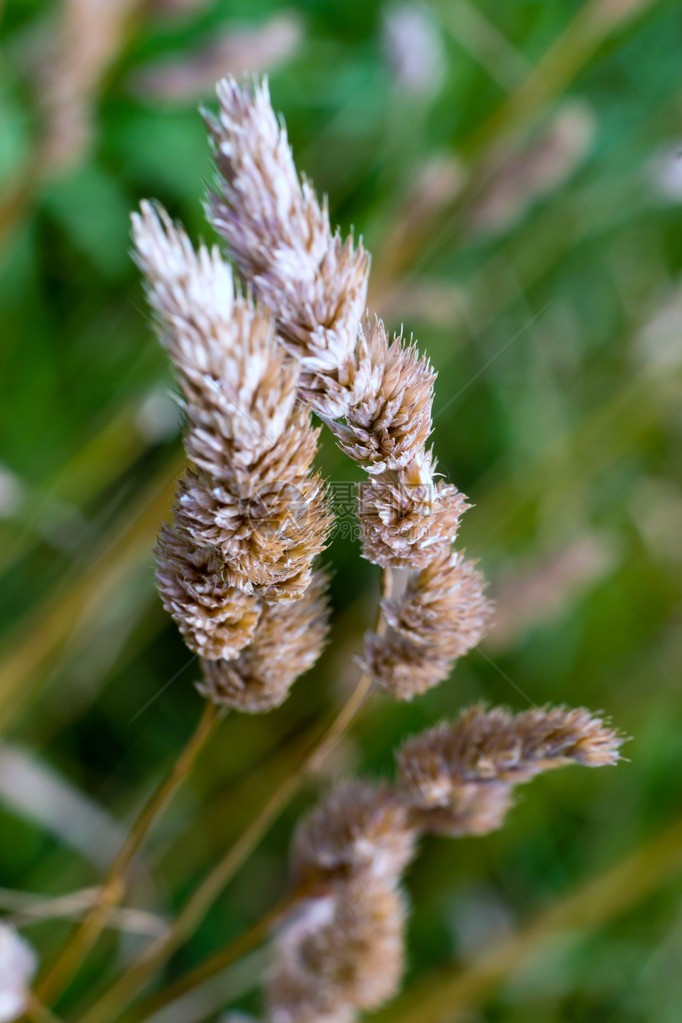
(266, 356)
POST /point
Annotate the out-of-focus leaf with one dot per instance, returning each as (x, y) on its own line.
(93, 210)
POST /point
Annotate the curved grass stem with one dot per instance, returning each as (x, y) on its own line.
(117, 998)
(111, 891)
(450, 995)
(218, 962)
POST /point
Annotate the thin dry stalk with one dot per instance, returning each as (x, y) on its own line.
(113, 887)
(217, 963)
(123, 990)
(45, 632)
(28, 908)
(39, 1013)
(457, 779)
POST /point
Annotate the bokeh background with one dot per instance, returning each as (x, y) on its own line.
(516, 170)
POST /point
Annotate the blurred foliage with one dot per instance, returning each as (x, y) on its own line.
(516, 171)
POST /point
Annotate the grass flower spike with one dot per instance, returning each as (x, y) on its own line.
(239, 391)
(375, 394)
(441, 615)
(359, 828)
(340, 954)
(408, 518)
(341, 950)
(216, 620)
(235, 570)
(279, 235)
(288, 641)
(389, 421)
(459, 777)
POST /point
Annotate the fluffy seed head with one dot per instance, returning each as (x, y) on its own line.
(441, 769)
(216, 619)
(389, 421)
(342, 953)
(474, 808)
(267, 537)
(406, 518)
(238, 387)
(288, 461)
(251, 498)
(441, 615)
(359, 829)
(289, 639)
(280, 237)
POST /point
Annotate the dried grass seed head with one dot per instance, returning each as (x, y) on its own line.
(407, 517)
(215, 618)
(389, 420)
(314, 283)
(239, 389)
(268, 538)
(251, 497)
(289, 460)
(288, 641)
(474, 808)
(494, 748)
(359, 829)
(440, 617)
(349, 954)
(402, 668)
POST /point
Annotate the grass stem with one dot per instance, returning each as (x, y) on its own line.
(111, 891)
(116, 999)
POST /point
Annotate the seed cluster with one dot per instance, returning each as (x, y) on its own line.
(342, 950)
(374, 393)
(236, 566)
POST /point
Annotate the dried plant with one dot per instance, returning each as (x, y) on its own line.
(389, 420)
(251, 515)
(259, 47)
(216, 619)
(280, 237)
(341, 953)
(459, 778)
(287, 642)
(236, 568)
(441, 615)
(375, 394)
(342, 950)
(358, 829)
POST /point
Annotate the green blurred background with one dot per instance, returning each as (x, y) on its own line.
(516, 171)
